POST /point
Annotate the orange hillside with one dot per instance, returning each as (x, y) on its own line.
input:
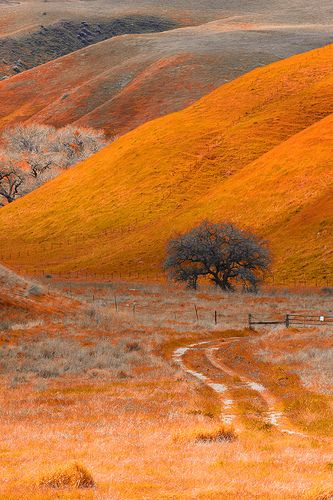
(254, 152)
(120, 83)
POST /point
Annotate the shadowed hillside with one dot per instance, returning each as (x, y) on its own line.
(26, 51)
(254, 151)
(121, 83)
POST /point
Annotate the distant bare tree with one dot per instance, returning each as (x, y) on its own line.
(221, 252)
(29, 144)
(11, 183)
(40, 152)
(73, 144)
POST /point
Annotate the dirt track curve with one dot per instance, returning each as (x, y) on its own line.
(233, 380)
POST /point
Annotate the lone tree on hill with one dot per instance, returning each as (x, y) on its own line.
(221, 252)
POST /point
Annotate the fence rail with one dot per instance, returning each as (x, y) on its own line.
(294, 319)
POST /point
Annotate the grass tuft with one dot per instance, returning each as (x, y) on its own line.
(327, 495)
(216, 436)
(72, 476)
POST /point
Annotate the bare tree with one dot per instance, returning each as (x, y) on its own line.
(73, 144)
(29, 144)
(11, 183)
(41, 147)
(222, 253)
(33, 153)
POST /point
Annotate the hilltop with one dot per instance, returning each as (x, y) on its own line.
(26, 15)
(256, 151)
(33, 32)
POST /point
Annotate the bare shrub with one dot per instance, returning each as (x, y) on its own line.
(72, 476)
(12, 182)
(35, 290)
(216, 436)
(73, 144)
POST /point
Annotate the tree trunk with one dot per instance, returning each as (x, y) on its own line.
(223, 282)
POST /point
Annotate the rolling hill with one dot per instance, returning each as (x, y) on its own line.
(256, 151)
(121, 83)
(26, 15)
(26, 51)
(33, 32)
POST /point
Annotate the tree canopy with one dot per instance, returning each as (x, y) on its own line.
(223, 253)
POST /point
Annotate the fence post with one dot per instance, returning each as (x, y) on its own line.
(250, 322)
(215, 317)
(115, 303)
(287, 321)
(196, 312)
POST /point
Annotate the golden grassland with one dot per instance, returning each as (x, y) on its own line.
(141, 427)
(257, 151)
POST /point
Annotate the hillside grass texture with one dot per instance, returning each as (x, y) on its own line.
(257, 152)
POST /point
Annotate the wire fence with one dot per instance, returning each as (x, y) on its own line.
(18, 260)
(290, 320)
(325, 282)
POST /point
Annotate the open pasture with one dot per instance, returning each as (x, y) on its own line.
(111, 383)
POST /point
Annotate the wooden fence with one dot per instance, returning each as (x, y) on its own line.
(297, 320)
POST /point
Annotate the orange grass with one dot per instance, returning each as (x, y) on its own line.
(254, 152)
(72, 476)
(137, 436)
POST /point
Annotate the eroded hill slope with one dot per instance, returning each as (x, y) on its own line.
(24, 51)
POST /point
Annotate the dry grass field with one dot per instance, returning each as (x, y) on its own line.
(102, 400)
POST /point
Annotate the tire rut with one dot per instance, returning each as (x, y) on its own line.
(272, 416)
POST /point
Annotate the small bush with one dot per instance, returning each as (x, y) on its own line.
(35, 290)
(204, 413)
(133, 346)
(216, 436)
(72, 476)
